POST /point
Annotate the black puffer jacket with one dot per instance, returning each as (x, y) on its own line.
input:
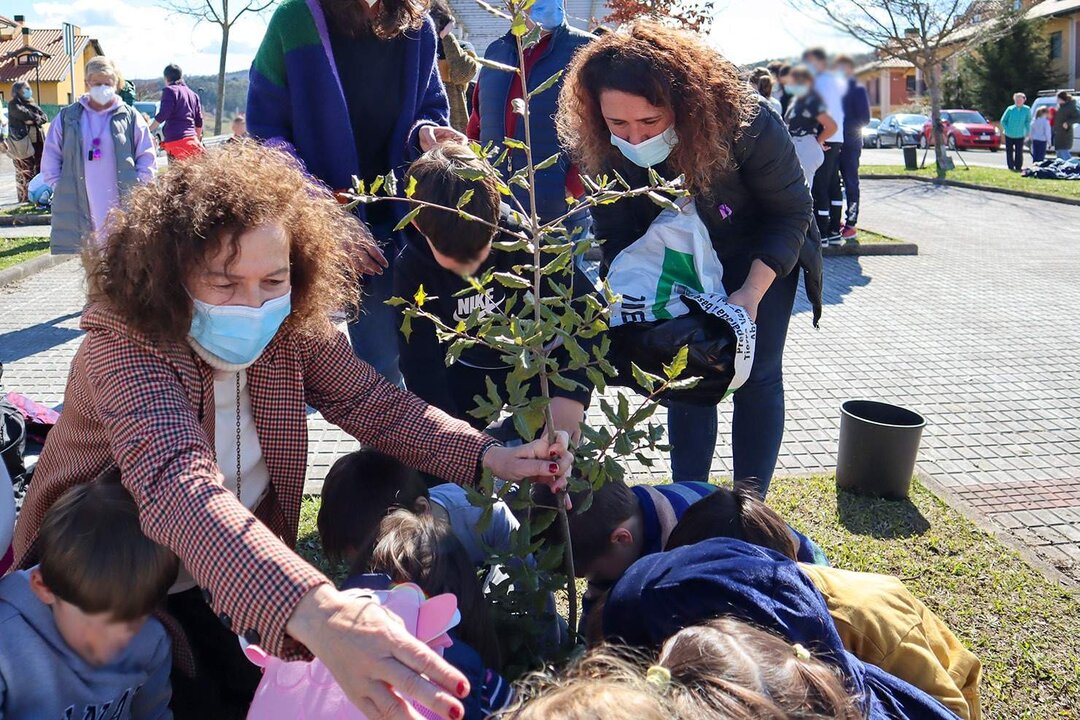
(762, 209)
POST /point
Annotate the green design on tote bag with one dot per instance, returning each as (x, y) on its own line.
(677, 270)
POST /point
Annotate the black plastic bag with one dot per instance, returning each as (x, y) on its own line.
(711, 355)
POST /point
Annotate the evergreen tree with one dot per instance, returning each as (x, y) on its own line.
(1018, 61)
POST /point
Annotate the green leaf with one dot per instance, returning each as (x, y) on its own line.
(519, 28)
(596, 378)
(512, 143)
(465, 198)
(411, 188)
(563, 382)
(644, 379)
(376, 184)
(511, 281)
(675, 369)
(409, 217)
(663, 202)
(541, 521)
(406, 327)
(470, 174)
(420, 297)
(395, 301)
(547, 84)
(684, 384)
(548, 162)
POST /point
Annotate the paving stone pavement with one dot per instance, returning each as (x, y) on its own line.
(980, 333)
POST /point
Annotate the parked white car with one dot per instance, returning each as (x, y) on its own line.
(1050, 100)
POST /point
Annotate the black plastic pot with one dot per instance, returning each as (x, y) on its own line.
(911, 160)
(878, 447)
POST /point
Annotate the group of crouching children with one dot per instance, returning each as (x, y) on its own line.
(702, 603)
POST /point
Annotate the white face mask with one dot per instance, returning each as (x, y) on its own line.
(649, 152)
(102, 94)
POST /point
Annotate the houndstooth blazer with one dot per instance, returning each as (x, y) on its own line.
(149, 408)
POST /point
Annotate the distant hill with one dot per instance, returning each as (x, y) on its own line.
(236, 88)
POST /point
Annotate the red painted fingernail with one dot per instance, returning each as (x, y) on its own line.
(553, 468)
(462, 691)
(455, 713)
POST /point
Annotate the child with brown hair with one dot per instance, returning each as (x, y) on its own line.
(666, 592)
(876, 616)
(422, 549)
(78, 639)
(723, 668)
(364, 486)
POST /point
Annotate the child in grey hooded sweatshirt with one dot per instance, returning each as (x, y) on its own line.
(76, 639)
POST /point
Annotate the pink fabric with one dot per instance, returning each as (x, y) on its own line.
(306, 690)
(33, 410)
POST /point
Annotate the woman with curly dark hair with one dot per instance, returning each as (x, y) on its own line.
(654, 97)
(352, 88)
(207, 337)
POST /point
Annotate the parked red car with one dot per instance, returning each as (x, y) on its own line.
(964, 129)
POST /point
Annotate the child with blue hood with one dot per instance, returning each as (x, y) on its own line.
(665, 592)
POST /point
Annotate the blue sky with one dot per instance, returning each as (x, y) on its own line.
(142, 37)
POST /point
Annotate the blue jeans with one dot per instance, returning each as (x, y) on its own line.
(757, 426)
(1064, 154)
(374, 333)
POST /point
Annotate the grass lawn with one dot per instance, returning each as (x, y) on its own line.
(16, 250)
(1022, 626)
(24, 209)
(990, 177)
(869, 237)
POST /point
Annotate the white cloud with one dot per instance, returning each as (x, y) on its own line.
(144, 38)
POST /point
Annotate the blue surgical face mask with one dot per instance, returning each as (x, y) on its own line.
(28, 93)
(237, 333)
(649, 152)
(798, 90)
(548, 14)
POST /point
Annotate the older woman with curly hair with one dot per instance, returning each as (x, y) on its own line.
(207, 337)
(654, 97)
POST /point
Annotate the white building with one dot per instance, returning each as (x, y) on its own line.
(479, 27)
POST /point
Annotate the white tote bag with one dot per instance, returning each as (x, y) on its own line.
(674, 257)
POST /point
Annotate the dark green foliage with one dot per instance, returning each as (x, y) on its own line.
(1018, 61)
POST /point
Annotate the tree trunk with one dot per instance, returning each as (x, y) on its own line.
(932, 73)
(220, 109)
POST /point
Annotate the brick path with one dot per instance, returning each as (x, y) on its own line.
(980, 333)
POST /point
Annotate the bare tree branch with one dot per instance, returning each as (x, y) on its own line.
(925, 33)
(216, 12)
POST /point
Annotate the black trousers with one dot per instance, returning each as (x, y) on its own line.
(1014, 153)
(849, 171)
(225, 681)
(828, 201)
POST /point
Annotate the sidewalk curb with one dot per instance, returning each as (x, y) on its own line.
(854, 249)
(25, 220)
(973, 186)
(1002, 535)
(32, 267)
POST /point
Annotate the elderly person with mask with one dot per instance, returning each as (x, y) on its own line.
(97, 150)
(26, 136)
